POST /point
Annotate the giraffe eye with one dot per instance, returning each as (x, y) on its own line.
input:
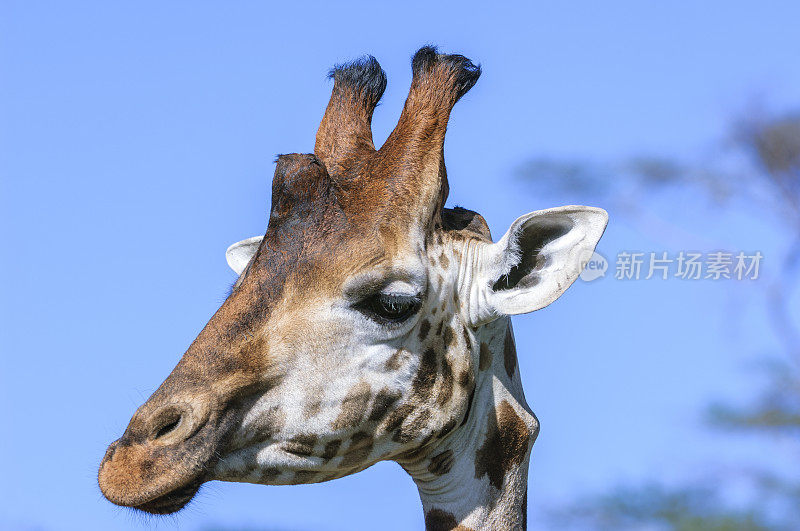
(390, 308)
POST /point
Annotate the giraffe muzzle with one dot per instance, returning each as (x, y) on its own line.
(162, 459)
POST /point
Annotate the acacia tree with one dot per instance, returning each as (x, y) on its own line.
(758, 167)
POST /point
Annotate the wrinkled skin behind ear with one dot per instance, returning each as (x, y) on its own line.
(539, 257)
(240, 253)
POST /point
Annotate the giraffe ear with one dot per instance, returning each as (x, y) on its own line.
(539, 257)
(239, 254)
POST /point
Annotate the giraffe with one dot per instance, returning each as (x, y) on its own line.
(369, 323)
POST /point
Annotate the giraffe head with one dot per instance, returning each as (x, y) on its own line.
(349, 336)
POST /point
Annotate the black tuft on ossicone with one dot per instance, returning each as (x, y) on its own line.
(364, 76)
(424, 59)
(466, 72)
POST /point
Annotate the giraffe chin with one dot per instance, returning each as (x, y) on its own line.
(171, 502)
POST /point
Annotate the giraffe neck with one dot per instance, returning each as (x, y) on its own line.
(477, 477)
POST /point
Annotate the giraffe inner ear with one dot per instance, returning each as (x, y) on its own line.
(539, 257)
(240, 253)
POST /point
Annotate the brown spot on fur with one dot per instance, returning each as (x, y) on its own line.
(302, 444)
(444, 260)
(411, 429)
(395, 420)
(467, 339)
(359, 440)
(509, 353)
(506, 445)
(267, 426)
(485, 359)
(269, 474)
(444, 305)
(439, 520)
(395, 360)
(331, 449)
(424, 329)
(446, 387)
(441, 464)
(359, 449)
(440, 327)
(426, 374)
(449, 336)
(465, 378)
(383, 404)
(353, 406)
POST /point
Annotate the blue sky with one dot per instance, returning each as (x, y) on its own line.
(136, 144)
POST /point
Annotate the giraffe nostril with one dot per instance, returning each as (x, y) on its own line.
(167, 424)
(167, 428)
(174, 423)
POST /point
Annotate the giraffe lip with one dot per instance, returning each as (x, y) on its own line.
(171, 502)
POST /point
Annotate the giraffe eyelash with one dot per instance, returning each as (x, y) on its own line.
(389, 308)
